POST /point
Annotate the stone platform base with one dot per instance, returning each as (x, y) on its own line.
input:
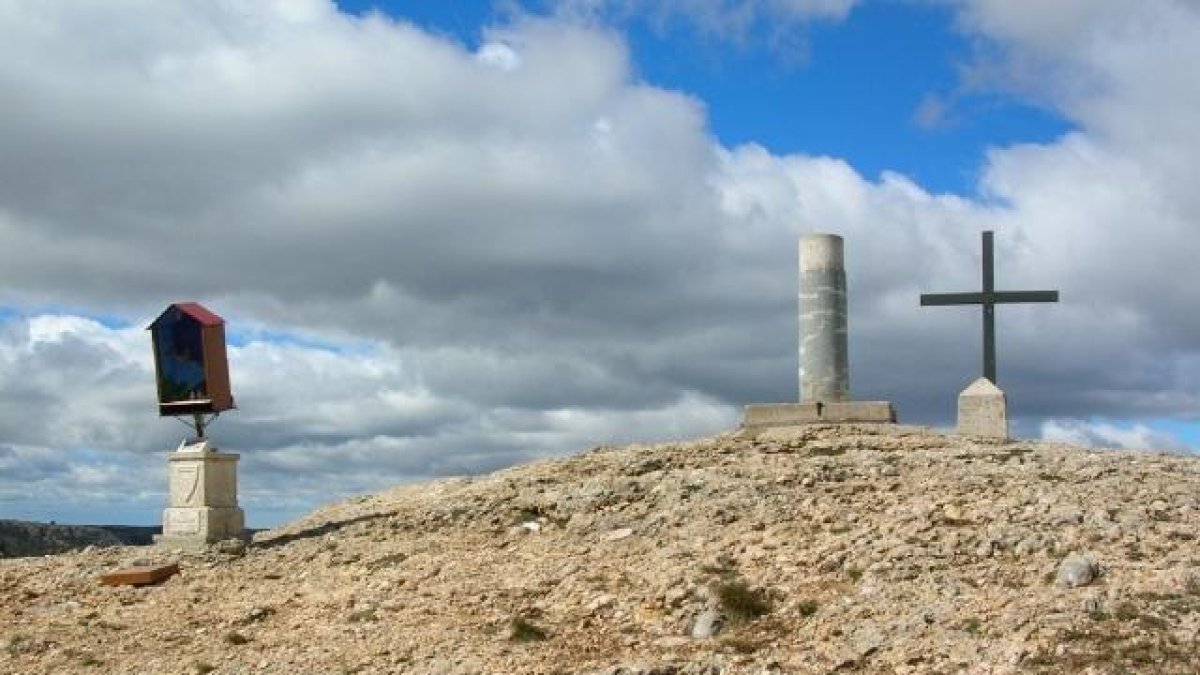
(762, 416)
(188, 527)
(191, 544)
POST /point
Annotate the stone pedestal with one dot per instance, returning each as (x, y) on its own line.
(982, 410)
(203, 505)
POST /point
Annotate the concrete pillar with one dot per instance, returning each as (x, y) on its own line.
(824, 361)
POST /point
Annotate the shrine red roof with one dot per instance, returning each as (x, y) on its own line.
(198, 312)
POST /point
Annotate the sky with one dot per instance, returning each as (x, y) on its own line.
(448, 237)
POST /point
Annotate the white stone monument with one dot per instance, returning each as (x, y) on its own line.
(824, 348)
(203, 506)
(982, 410)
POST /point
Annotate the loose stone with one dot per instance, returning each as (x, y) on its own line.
(707, 624)
(1077, 570)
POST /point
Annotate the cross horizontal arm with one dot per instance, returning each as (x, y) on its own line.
(933, 299)
(1025, 296)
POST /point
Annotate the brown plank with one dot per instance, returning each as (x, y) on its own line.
(140, 575)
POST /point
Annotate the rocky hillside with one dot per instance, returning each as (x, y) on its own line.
(817, 549)
(19, 538)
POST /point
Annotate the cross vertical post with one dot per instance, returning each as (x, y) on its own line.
(988, 298)
(989, 308)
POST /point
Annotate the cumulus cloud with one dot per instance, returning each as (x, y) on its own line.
(1108, 435)
(443, 260)
(499, 55)
(80, 425)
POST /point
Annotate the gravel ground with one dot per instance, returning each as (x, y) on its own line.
(874, 549)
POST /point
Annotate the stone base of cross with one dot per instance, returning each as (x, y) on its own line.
(983, 410)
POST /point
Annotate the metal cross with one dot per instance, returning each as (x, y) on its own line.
(989, 298)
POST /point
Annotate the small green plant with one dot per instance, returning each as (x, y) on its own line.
(16, 644)
(854, 573)
(808, 608)
(526, 514)
(524, 630)
(363, 616)
(89, 660)
(972, 625)
(742, 603)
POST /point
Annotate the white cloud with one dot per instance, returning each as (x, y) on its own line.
(315, 421)
(1108, 435)
(499, 55)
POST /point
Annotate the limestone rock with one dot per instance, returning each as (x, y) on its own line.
(708, 623)
(1077, 570)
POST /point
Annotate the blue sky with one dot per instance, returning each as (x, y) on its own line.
(479, 234)
(850, 89)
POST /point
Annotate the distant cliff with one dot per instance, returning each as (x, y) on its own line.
(20, 539)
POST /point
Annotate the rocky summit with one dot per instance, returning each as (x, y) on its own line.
(817, 549)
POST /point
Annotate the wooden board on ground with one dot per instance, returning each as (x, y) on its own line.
(140, 575)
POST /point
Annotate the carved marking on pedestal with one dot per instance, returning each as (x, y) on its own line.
(184, 484)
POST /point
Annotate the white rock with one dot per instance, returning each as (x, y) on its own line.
(618, 534)
(1077, 570)
(707, 624)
